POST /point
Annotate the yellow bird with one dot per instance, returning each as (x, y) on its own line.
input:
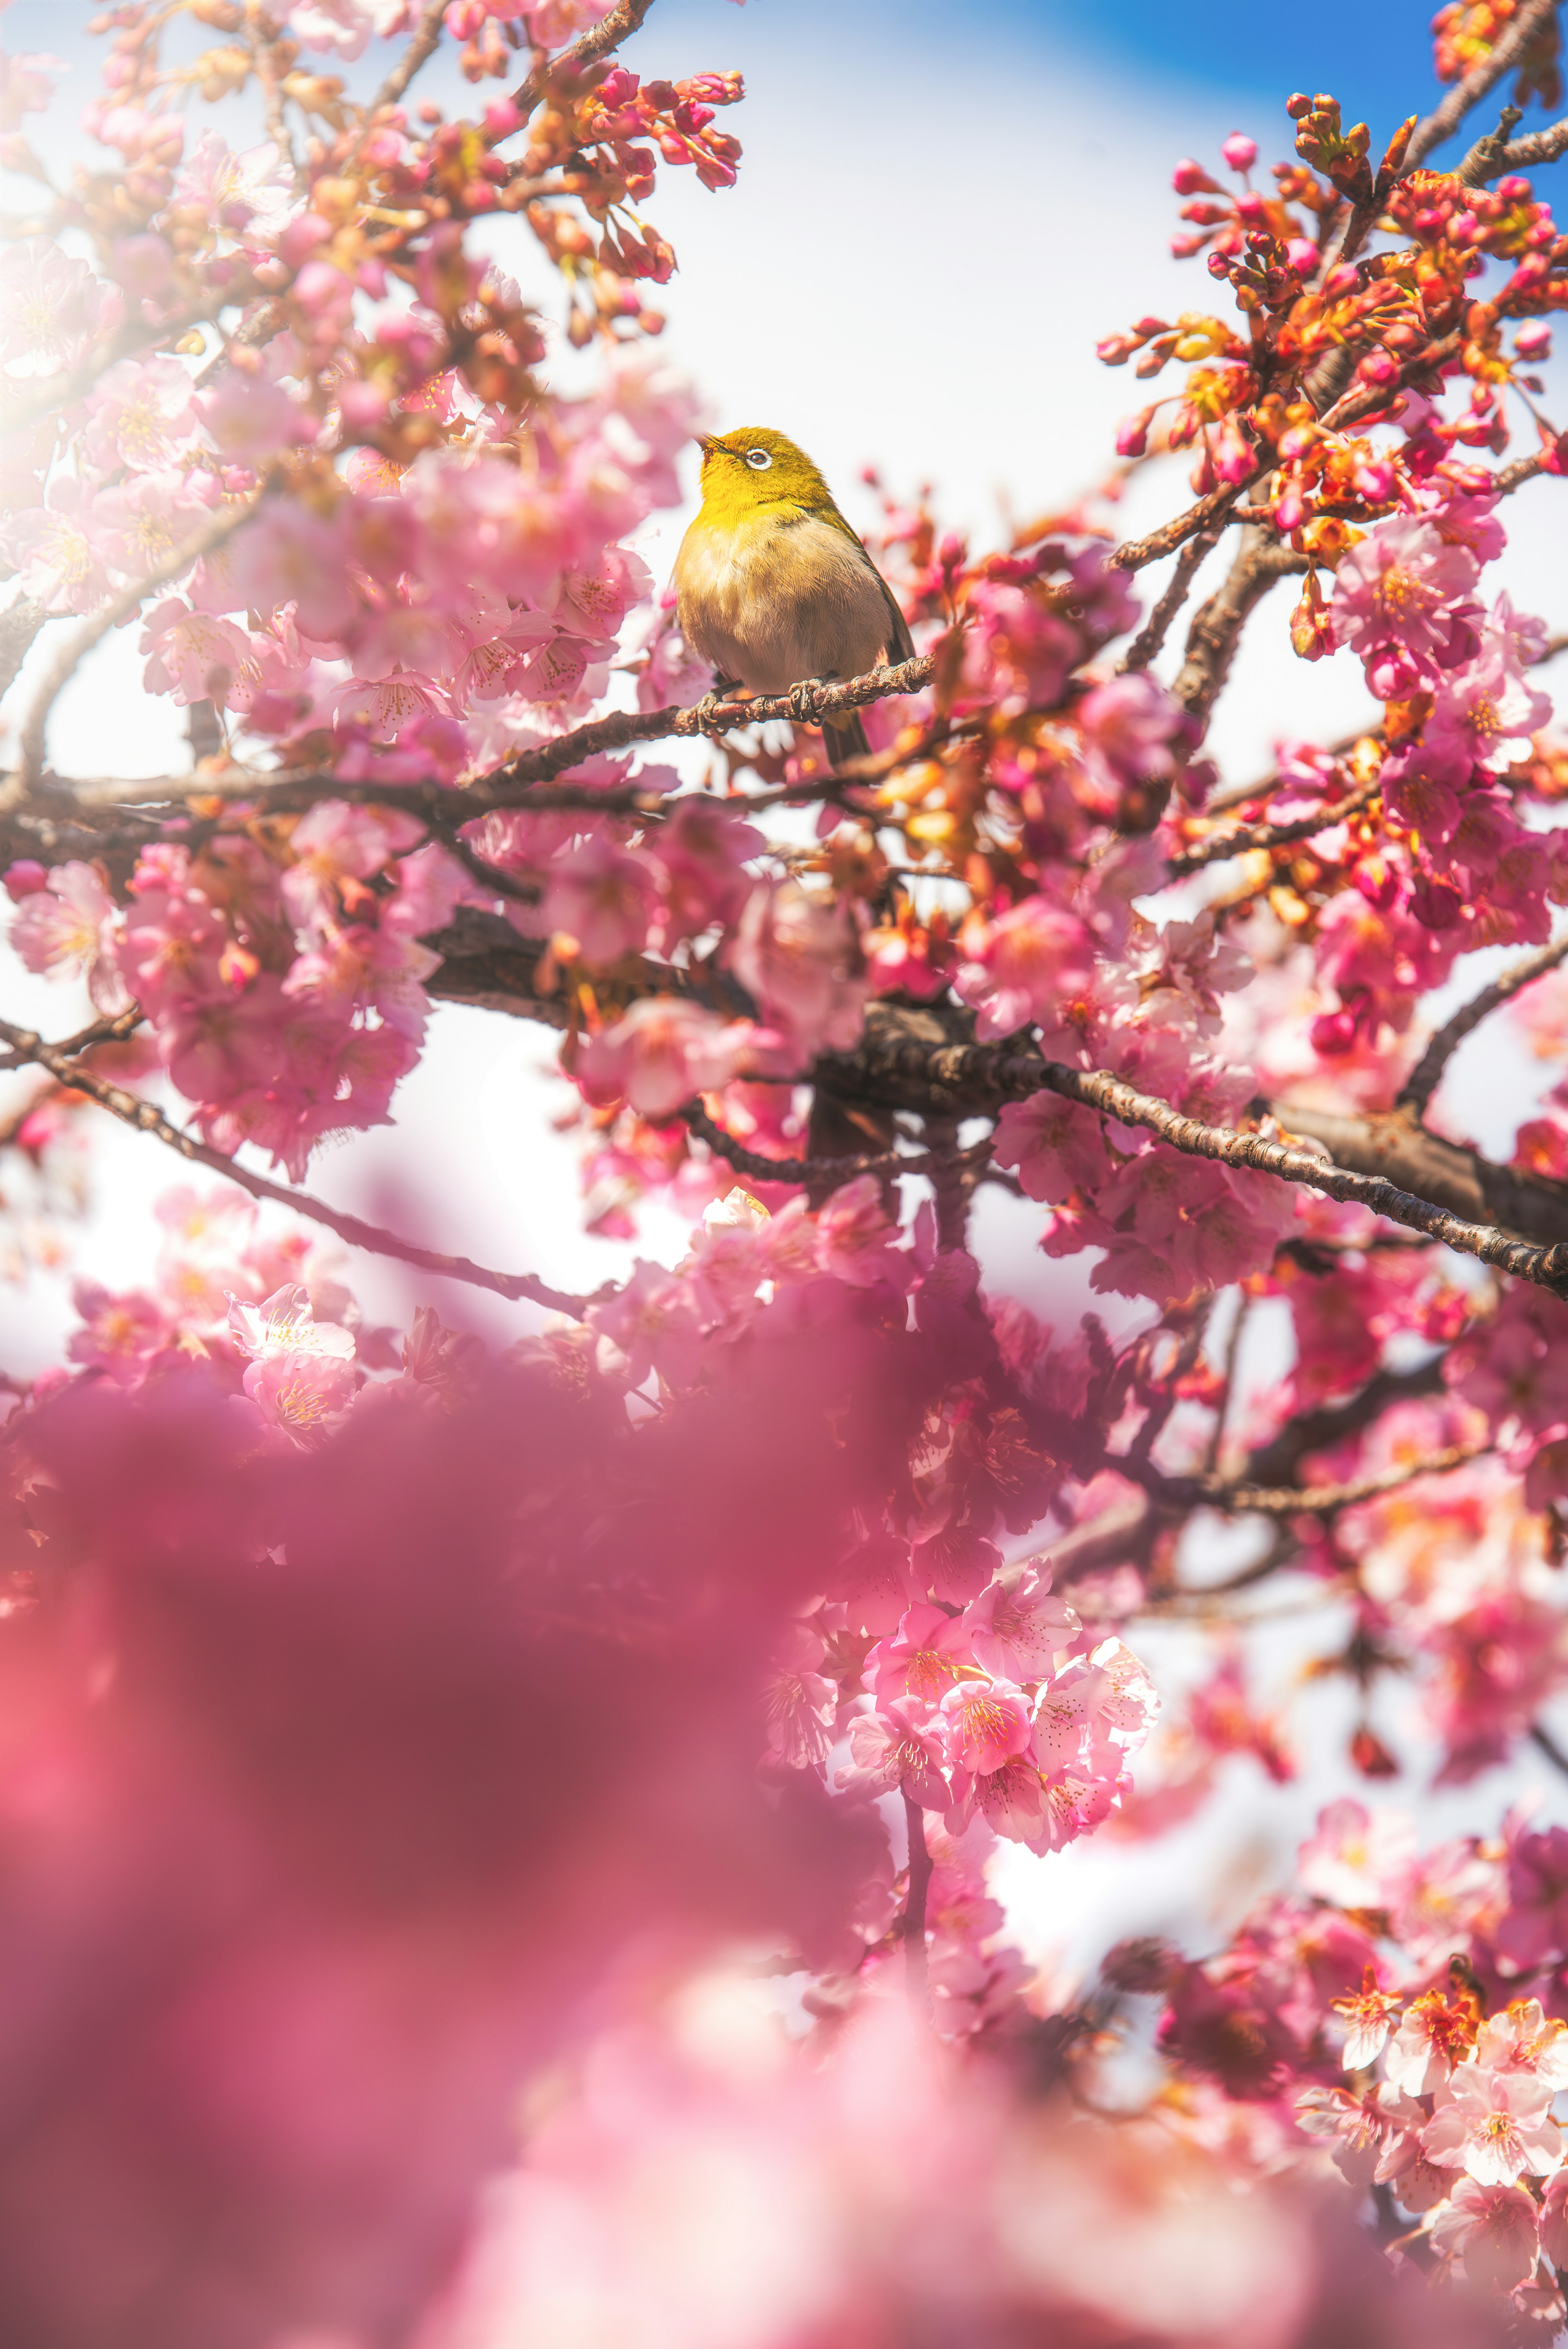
(772, 584)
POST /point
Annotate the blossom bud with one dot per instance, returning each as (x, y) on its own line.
(1334, 1034)
(1513, 190)
(1297, 105)
(1378, 367)
(1533, 341)
(501, 118)
(1190, 178)
(25, 878)
(1240, 152)
(1303, 255)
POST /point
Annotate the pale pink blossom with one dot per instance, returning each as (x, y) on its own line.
(50, 305)
(657, 1322)
(801, 958)
(1017, 1629)
(799, 1704)
(1057, 1146)
(663, 1052)
(251, 420)
(70, 927)
(896, 1749)
(194, 656)
(1021, 965)
(285, 1323)
(1492, 2229)
(601, 897)
(1497, 2126)
(854, 1236)
(922, 1660)
(142, 416)
(302, 1391)
(983, 1723)
(120, 1334)
(1357, 1858)
(1402, 586)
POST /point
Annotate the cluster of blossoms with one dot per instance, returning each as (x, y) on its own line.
(1435, 1980)
(818, 1488)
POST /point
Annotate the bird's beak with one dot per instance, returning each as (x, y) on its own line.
(706, 443)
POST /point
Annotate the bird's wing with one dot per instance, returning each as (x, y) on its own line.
(900, 643)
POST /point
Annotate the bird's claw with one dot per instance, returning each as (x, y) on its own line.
(802, 703)
(707, 708)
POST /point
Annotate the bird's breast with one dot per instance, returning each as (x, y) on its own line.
(779, 597)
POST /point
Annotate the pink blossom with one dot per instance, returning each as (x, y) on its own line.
(1491, 2229)
(302, 1391)
(251, 191)
(285, 1323)
(289, 556)
(142, 416)
(1022, 965)
(195, 656)
(1485, 712)
(56, 550)
(922, 1660)
(896, 1749)
(801, 958)
(799, 1703)
(1524, 2038)
(854, 1236)
(701, 852)
(69, 927)
(656, 1322)
(600, 896)
(1495, 2125)
(1057, 1146)
(119, 1334)
(251, 420)
(1402, 586)
(983, 1723)
(1129, 726)
(1357, 1859)
(662, 1053)
(50, 305)
(1017, 1629)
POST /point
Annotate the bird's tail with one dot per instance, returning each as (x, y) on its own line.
(845, 738)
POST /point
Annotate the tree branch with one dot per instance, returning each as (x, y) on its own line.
(1152, 636)
(420, 49)
(75, 648)
(1216, 628)
(908, 1073)
(1426, 1075)
(1445, 119)
(1333, 1423)
(1294, 1500)
(132, 1111)
(1247, 837)
(624, 19)
(915, 1984)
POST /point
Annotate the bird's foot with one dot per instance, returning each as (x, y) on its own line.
(803, 702)
(707, 710)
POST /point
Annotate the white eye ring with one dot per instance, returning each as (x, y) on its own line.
(758, 459)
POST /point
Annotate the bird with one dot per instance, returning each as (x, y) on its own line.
(773, 586)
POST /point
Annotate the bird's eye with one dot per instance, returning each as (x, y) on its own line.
(758, 459)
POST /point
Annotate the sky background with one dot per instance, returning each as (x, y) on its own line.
(939, 212)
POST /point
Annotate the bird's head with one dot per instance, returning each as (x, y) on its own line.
(754, 467)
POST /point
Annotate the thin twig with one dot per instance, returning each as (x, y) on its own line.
(597, 42)
(1317, 1500)
(1444, 121)
(1426, 1075)
(1543, 1738)
(420, 49)
(1522, 155)
(1248, 836)
(63, 667)
(132, 1111)
(916, 1986)
(98, 1031)
(1152, 636)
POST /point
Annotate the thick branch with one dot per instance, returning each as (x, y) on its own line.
(911, 1074)
(1152, 636)
(1460, 1181)
(132, 1111)
(1217, 627)
(1426, 1075)
(1332, 1424)
(515, 783)
(1444, 121)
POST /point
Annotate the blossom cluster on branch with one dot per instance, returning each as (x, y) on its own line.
(782, 1600)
